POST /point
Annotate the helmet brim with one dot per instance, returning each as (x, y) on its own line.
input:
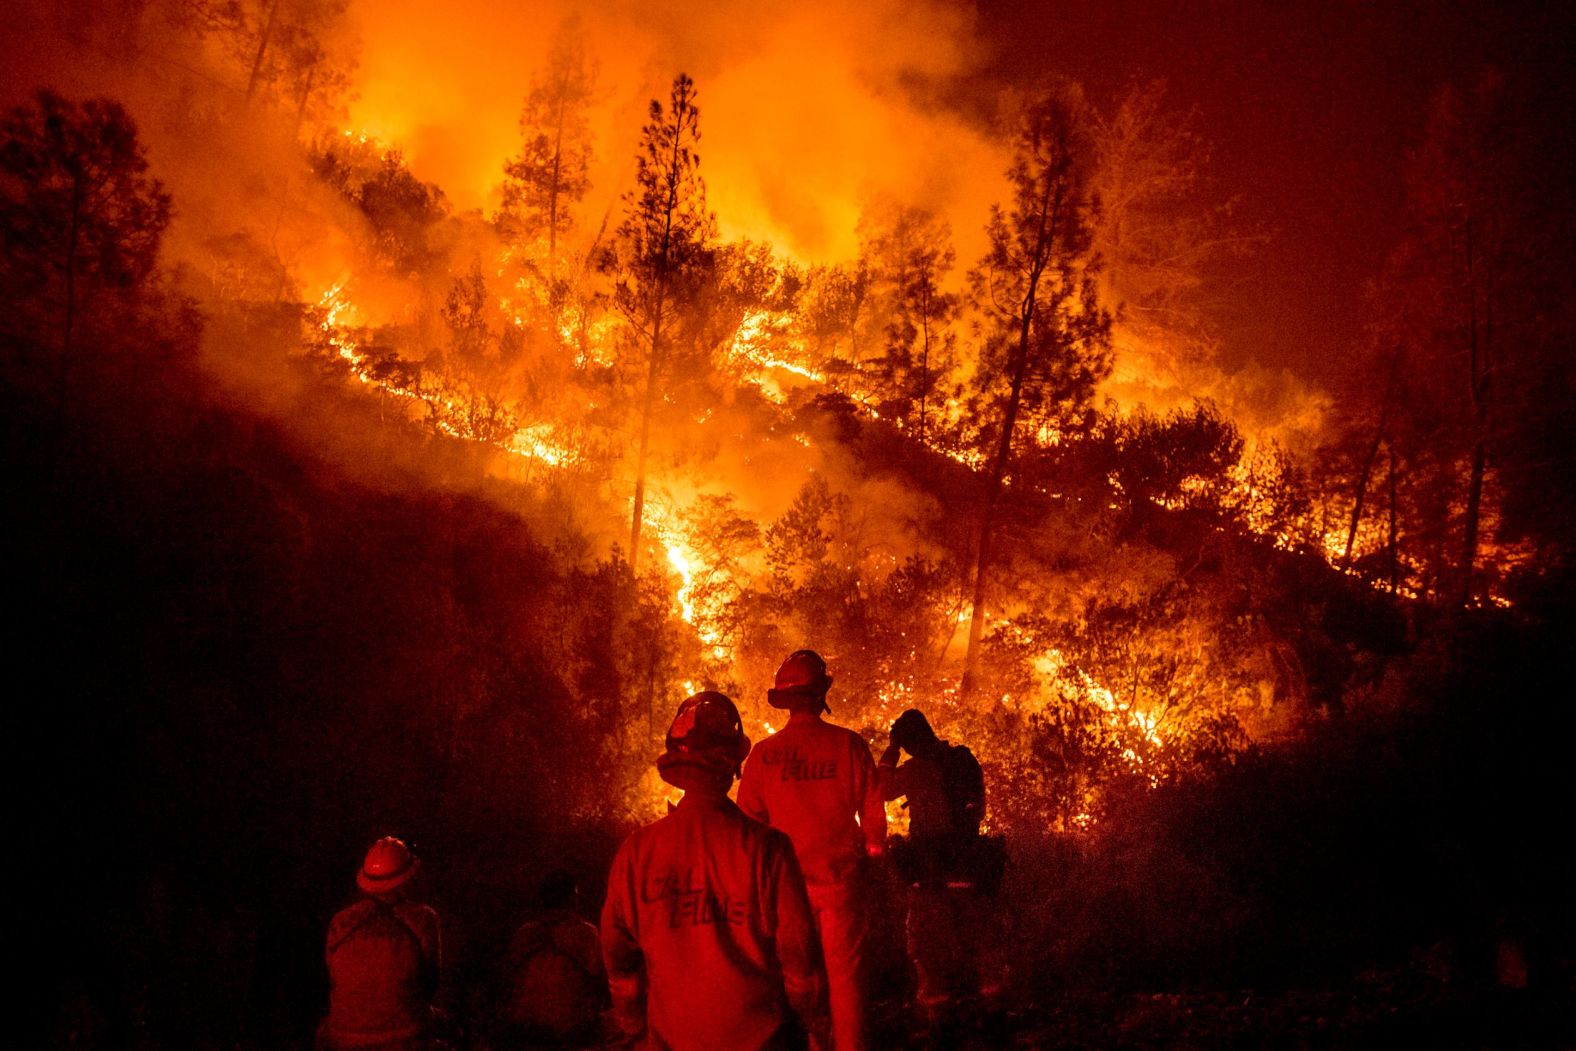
(797, 696)
(672, 767)
(383, 884)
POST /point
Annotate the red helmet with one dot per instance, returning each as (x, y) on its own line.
(707, 732)
(802, 679)
(389, 863)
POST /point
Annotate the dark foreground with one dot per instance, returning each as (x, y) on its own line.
(232, 669)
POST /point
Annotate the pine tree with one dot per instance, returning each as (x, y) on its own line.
(553, 169)
(1046, 340)
(82, 220)
(665, 244)
(908, 253)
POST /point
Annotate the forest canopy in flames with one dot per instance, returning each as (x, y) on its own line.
(406, 405)
(997, 475)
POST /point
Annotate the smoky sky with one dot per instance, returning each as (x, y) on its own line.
(1311, 108)
(811, 109)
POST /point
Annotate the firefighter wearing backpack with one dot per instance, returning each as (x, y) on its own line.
(953, 872)
(817, 782)
(707, 933)
(384, 955)
(554, 985)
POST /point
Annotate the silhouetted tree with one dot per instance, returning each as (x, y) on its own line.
(1472, 354)
(465, 314)
(1046, 339)
(402, 211)
(831, 311)
(278, 43)
(81, 216)
(1180, 459)
(908, 253)
(553, 169)
(666, 235)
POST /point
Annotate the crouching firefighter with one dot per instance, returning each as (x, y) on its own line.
(953, 872)
(817, 782)
(707, 933)
(384, 955)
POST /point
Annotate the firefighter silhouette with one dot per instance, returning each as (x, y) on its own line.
(952, 872)
(817, 782)
(384, 956)
(707, 933)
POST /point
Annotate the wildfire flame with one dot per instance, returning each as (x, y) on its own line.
(449, 411)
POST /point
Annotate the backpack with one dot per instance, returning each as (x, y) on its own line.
(964, 784)
(550, 994)
(962, 858)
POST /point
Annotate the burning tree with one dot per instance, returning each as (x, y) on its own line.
(553, 169)
(665, 251)
(1046, 339)
(908, 254)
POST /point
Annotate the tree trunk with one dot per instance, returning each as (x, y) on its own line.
(648, 403)
(1361, 491)
(306, 93)
(552, 193)
(1393, 536)
(1366, 471)
(1478, 379)
(262, 49)
(998, 471)
(924, 360)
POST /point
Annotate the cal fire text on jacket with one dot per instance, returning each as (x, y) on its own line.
(795, 767)
(691, 903)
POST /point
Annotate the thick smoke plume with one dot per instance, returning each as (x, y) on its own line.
(809, 109)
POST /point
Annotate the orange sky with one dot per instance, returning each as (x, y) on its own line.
(806, 110)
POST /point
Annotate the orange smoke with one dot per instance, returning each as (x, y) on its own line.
(805, 112)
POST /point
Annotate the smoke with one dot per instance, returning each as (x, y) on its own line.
(806, 110)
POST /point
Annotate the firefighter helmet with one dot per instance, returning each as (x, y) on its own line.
(707, 732)
(388, 864)
(802, 679)
(912, 730)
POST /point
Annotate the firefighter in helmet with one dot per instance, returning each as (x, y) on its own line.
(384, 955)
(953, 872)
(707, 933)
(816, 781)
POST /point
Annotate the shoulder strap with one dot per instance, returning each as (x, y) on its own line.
(963, 778)
(382, 908)
(544, 942)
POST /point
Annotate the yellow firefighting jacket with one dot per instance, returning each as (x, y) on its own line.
(707, 932)
(812, 779)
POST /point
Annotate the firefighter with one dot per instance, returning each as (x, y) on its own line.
(953, 872)
(554, 985)
(817, 782)
(384, 955)
(707, 933)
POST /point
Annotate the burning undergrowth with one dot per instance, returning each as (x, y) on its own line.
(478, 495)
(811, 446)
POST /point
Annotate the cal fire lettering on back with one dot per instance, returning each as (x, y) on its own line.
(796, 767)
(691, 903)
